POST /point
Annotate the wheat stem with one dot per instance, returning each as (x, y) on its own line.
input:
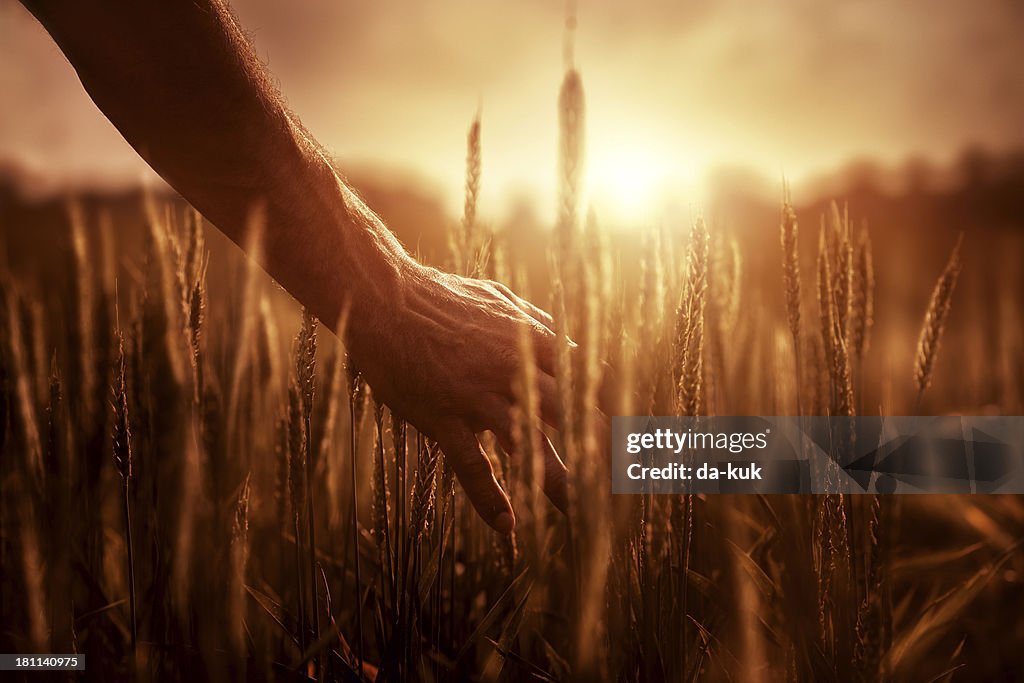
(935, 322)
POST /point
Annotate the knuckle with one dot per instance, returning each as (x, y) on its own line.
(541, 333)
(504, 289)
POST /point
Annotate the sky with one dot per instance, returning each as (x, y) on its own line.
(673, 89)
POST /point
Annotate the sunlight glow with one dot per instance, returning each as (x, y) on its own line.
(631, 184)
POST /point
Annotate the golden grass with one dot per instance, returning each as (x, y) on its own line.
(264, 517)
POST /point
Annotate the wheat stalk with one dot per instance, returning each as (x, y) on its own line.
(571, 108)
(356, 388)
(472, 195)
(297, 492)
(22, 394)
(690, 317)
(827, 313)
(122, 442)
(282, 482)
(83, 379)
(721, 292)
(862, 306)
(863, 303)
(423, 491)
(789, 240)
(305, 371)
(197, 313)
(843, 376)
(591, 321)
(571, 149)
(239, 555)
(929, 340)
(525, 435)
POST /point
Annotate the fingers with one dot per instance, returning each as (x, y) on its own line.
(538, 314)
(542, 337)
(548, 401)
(550, 406)
(608, 391)
(554, 478)
(543, 343)
(476, 476)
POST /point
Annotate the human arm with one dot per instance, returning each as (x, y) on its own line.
(184, 87)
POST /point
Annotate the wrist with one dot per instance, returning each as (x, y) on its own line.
(375, 283)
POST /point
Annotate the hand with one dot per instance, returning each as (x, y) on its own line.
(440, 350)
(444, 354)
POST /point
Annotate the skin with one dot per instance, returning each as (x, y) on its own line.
(184, 87)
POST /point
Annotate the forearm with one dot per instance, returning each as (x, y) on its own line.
(183, 86)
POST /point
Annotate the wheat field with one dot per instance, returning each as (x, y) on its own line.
(196, 484)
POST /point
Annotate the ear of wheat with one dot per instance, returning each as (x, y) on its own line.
(863, 303)
(789, 240)
(571, 108)
(827, 313)
(472, 189)
(690, 339)
(935, 321)
(788, 237)
(122, 442)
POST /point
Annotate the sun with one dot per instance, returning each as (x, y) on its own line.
(630, 183)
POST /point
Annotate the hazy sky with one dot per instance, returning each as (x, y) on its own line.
(794, 86)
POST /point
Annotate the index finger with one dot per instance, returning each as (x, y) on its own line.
(475, 474)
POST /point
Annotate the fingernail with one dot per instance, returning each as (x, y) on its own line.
(504, 523)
